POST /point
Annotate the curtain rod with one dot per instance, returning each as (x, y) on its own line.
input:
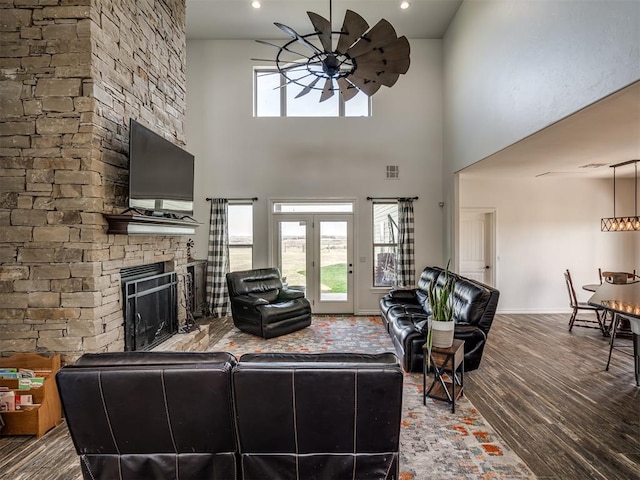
(252, 199)
(392, 198)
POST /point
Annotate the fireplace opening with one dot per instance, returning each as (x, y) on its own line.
(150, 305)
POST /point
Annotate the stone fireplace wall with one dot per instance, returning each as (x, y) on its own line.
(72, 73)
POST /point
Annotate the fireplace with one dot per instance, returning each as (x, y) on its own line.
(150, 305)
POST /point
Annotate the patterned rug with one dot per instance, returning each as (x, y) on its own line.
(434, 443)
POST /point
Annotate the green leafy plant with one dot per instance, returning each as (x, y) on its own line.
(441, 303)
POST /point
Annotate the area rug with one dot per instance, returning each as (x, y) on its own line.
(434, 443)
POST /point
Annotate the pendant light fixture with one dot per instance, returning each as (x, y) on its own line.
(623, 224)
(363, 60)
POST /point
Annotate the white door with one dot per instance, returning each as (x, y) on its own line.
(314, 252)
(477, 250)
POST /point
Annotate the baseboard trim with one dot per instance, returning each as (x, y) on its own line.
(526, 311)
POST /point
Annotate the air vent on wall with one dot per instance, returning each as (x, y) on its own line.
(393, 171)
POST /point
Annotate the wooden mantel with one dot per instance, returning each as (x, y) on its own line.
(136, 224)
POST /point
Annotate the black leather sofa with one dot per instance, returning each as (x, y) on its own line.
(260, 305)
(405, 314)
(145, 415)
(198, 416)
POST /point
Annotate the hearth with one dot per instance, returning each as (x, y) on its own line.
(150, 305)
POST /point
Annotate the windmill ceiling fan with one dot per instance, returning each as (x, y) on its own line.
(364, 59)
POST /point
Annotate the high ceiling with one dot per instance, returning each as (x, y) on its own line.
(237, 19)
(607, 132)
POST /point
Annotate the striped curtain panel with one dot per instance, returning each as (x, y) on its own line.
(406, 262)
(218, 259)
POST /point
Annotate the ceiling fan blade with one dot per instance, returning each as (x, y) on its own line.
(293, 34)
(385, 78)
(278, 47)
(382, 33)
(369, 87)
(273, 60)
(323, 29)
(347, 90)
(353, 27)
(290, 81)
(327, 91)
(392, 66)
(308, 88)
(397, 49)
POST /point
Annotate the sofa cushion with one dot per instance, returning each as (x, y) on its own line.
(253, 281)
(318, 416)
(470, 301)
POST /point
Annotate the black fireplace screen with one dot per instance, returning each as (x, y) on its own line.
(151, 310)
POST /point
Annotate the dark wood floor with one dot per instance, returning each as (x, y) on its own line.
(543, 389)
(546, 392)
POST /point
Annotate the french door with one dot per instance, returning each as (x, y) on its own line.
(314, 252)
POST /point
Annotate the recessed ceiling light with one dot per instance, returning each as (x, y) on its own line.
(404, 5)
(255, 4)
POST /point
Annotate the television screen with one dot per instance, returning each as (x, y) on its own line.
(160, 173)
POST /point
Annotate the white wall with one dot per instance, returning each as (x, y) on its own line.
(513, 67)
(545, 226)
(238, 155)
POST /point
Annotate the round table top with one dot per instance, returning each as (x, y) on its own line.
(591, 287)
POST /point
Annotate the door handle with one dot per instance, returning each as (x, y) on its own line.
(487, 267)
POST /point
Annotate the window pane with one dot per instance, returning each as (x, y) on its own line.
(270, 94)
(312, 207)
(240, 258)
(240, 224)
(309, 105)
(358, 106)
(384, 266)
(385, 222)
(267, 99)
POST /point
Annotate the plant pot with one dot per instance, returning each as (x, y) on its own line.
(442, 333)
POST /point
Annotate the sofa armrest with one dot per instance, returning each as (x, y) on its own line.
(286, 294)
(249, 300)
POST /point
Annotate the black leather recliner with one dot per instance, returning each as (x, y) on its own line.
(319, 416)
(151, 415)
(405, 314)
(262, 306)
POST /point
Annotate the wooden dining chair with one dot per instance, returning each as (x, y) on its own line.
(584, 307)
(618, 277)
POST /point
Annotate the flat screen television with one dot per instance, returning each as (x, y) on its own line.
(160, 174)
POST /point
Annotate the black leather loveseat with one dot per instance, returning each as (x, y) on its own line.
(197, 416)
(405, 314)
(261, 305)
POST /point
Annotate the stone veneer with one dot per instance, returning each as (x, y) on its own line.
(72, 73)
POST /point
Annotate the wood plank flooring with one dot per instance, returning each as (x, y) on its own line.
(546, 392)
(542, 388)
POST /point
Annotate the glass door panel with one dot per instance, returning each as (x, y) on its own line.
(334, 262)
(293, 249)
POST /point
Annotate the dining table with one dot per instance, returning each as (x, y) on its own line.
(622, 299)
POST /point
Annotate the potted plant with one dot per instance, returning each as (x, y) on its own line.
(441, 324)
